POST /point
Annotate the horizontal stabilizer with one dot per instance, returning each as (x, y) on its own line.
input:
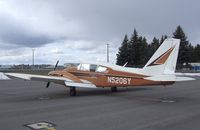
(184, 79)
(188, 74)
(168, 78)
(162, 78)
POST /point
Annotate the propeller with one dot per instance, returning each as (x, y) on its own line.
(56, 65)
(48, 83)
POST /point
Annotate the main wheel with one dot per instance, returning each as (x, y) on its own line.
(72, 91)
(113, 89)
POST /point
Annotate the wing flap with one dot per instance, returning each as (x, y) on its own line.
(80, 85)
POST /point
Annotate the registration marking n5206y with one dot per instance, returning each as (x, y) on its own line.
(119, 80)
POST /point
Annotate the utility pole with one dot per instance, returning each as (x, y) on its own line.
(108, 53)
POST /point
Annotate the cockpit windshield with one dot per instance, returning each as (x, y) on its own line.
(91, 68)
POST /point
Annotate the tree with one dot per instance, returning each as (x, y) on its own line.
(138, 49)
(143, 51)
(191, 53)
(153, 47)
(183, 55)
(196, 53)
(123, 54)
(163, 37)
(133, 49)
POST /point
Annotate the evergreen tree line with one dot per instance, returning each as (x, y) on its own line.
(136, 51)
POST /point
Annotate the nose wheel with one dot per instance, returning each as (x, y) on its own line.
(72, 91)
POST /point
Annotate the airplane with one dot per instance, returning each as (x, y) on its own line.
(159, 70)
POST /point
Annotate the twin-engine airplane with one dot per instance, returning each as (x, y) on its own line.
(159, 70)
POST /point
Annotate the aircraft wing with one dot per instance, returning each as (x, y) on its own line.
(3, 76)
(55, 79)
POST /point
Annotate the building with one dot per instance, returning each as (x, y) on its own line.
(195, 66)
(4, 67)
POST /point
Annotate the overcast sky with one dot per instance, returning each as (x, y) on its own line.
(78, 30)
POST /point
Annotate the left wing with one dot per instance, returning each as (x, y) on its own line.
(3, 76)
(58, 80)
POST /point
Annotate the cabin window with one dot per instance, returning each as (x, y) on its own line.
(84, 67)
(93, 68)
(101, 69)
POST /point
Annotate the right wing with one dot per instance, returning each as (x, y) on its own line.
(55, 79)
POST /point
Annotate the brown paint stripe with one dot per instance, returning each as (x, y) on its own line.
(163, 58)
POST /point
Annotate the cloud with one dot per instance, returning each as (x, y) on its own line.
(70, 30)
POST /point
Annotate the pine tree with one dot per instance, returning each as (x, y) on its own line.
(163, 37)
(196, 53)
(123, 54)
(191, 53)
(133, 49)
(183, 56)
(153, 46)
(143, 52)
(138, 49)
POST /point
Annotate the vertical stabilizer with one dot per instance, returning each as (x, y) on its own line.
(164, 59)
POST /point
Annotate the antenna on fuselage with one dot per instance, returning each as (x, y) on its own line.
(125, 64)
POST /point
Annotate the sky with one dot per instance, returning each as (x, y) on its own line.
(79, 30)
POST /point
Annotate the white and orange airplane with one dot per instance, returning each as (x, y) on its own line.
(159, 70)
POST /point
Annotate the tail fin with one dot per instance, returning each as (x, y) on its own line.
(164, 59)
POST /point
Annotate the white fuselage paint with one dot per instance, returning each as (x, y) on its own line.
(119, 80)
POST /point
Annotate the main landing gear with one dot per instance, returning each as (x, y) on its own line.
(72, 91)
(113, 89)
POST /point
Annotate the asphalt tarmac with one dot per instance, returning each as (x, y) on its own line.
(175, 107)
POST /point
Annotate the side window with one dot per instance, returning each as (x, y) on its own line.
(101, 69)
(84, 67)
(93, 68)
(79, 67)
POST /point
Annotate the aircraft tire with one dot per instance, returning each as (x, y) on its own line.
(72, 91)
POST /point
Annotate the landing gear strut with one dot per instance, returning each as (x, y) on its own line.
(72, 91)
(113, 89)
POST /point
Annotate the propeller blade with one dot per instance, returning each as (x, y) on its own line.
(48, 83)
(56, 65)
